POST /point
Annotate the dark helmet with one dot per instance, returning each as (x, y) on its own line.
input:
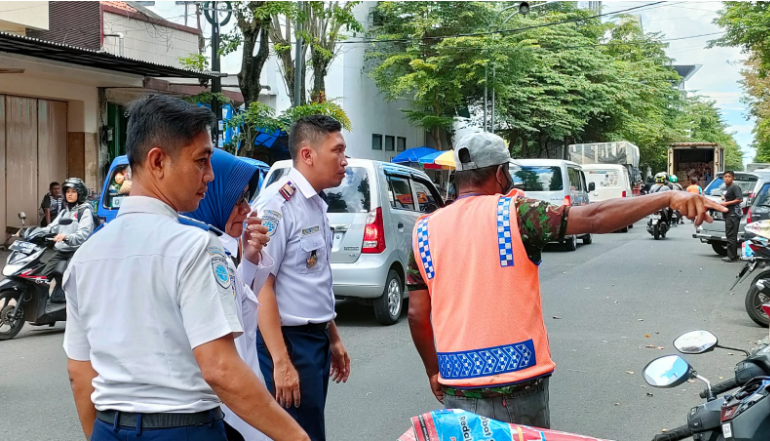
(78, 185)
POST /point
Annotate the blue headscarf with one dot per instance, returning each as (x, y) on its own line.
(231, 175)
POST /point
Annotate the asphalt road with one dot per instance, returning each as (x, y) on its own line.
(609, 297)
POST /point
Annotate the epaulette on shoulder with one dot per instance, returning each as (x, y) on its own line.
(288, 190)
(184, 220)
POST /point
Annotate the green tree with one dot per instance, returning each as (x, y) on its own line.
(747, 24)
(756, 90)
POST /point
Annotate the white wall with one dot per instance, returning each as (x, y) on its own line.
(348, 84)
(148, 42)
(16, 16)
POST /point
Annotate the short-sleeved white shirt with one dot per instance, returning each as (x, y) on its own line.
(141, 294)
(300, 244)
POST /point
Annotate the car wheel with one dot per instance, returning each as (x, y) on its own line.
(588, 240)
(719, 248)
(387, 308)
(754, 301)
(631, 226)
(624, 230)
(571, 243)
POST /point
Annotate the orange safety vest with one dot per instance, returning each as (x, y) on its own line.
(485, 294)
(694, 189)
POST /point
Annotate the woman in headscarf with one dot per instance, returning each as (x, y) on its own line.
(226, 208)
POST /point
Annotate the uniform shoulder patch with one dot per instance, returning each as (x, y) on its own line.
(288, 190)
(271, 219)
(221, 270)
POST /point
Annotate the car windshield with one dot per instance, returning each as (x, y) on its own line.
(533, 178)
(603, 178)
(746, 183)
(352, 196)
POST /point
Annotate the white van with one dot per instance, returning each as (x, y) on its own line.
(612, 181)
(556, 181)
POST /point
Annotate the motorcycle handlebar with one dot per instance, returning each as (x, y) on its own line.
(681, 432)
(720, 387)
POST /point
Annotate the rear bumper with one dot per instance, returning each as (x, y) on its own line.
(363, 279)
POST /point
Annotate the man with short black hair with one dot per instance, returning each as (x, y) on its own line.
(732, 198)
(150, 347)
(51, 205)
(299, 345)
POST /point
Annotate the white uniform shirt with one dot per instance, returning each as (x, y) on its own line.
(141, 294)
(300, 244)
(246, 276)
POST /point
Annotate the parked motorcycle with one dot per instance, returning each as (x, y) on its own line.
(756, 252)
(24, 292)
(742, 416)
(658, 225)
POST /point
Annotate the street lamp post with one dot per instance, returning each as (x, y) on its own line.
(523, 8)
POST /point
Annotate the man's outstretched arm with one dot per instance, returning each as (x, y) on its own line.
(614, 214)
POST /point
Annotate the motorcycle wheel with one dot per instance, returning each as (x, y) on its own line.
(755, 299)
(656, 232)
(9, 327)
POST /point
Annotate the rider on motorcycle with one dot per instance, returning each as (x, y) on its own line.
(661, 184)
(69, 237)
(675, 183)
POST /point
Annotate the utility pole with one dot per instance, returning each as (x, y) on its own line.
(186, 5)
(299, 77)
(216, 82)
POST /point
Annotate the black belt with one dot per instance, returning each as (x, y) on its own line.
(310, 327)
(160, 420)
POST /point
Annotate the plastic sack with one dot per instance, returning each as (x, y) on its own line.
(458, 425)
(757, 229)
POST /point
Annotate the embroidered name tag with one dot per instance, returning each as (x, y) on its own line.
(311, 230)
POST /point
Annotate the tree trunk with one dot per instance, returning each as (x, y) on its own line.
(255, 36)
(320, 69)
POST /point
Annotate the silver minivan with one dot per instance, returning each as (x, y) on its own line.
(372, 215)
(556, 181)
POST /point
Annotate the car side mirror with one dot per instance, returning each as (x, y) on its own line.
(592, 186)
(696, 342)
(667, 371)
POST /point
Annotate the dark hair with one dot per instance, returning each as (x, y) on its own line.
(693, 180)
(729, 172)
(52, 185)
(165, 122)
(309, 129)
(475, 178)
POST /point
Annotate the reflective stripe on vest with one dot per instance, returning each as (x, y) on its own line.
(485, 295)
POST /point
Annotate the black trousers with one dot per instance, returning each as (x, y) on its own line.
(54, 269)
(732, 223)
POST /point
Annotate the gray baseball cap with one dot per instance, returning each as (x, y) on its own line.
(483, 150)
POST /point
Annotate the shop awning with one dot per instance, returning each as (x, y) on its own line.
(412, 155)
(33, 47)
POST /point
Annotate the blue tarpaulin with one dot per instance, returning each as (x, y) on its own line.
(413, 155)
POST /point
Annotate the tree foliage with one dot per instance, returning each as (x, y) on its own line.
(747, 25)
(756, 93)
(559, 77)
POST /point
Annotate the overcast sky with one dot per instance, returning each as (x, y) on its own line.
(717, 78)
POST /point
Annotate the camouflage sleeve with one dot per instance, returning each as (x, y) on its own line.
(539, 223)
(414, 279)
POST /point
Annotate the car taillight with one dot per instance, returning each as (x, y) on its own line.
(374, 233)
(748, 218)
(624, 194)
(567, 201)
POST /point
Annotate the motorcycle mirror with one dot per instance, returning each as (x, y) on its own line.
(65, 221)
(667, 371)
(696, 342)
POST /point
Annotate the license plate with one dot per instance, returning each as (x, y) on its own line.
(23, 247)
(727, 430)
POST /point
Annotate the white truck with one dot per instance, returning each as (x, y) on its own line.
(618, 152)
(702, 160)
